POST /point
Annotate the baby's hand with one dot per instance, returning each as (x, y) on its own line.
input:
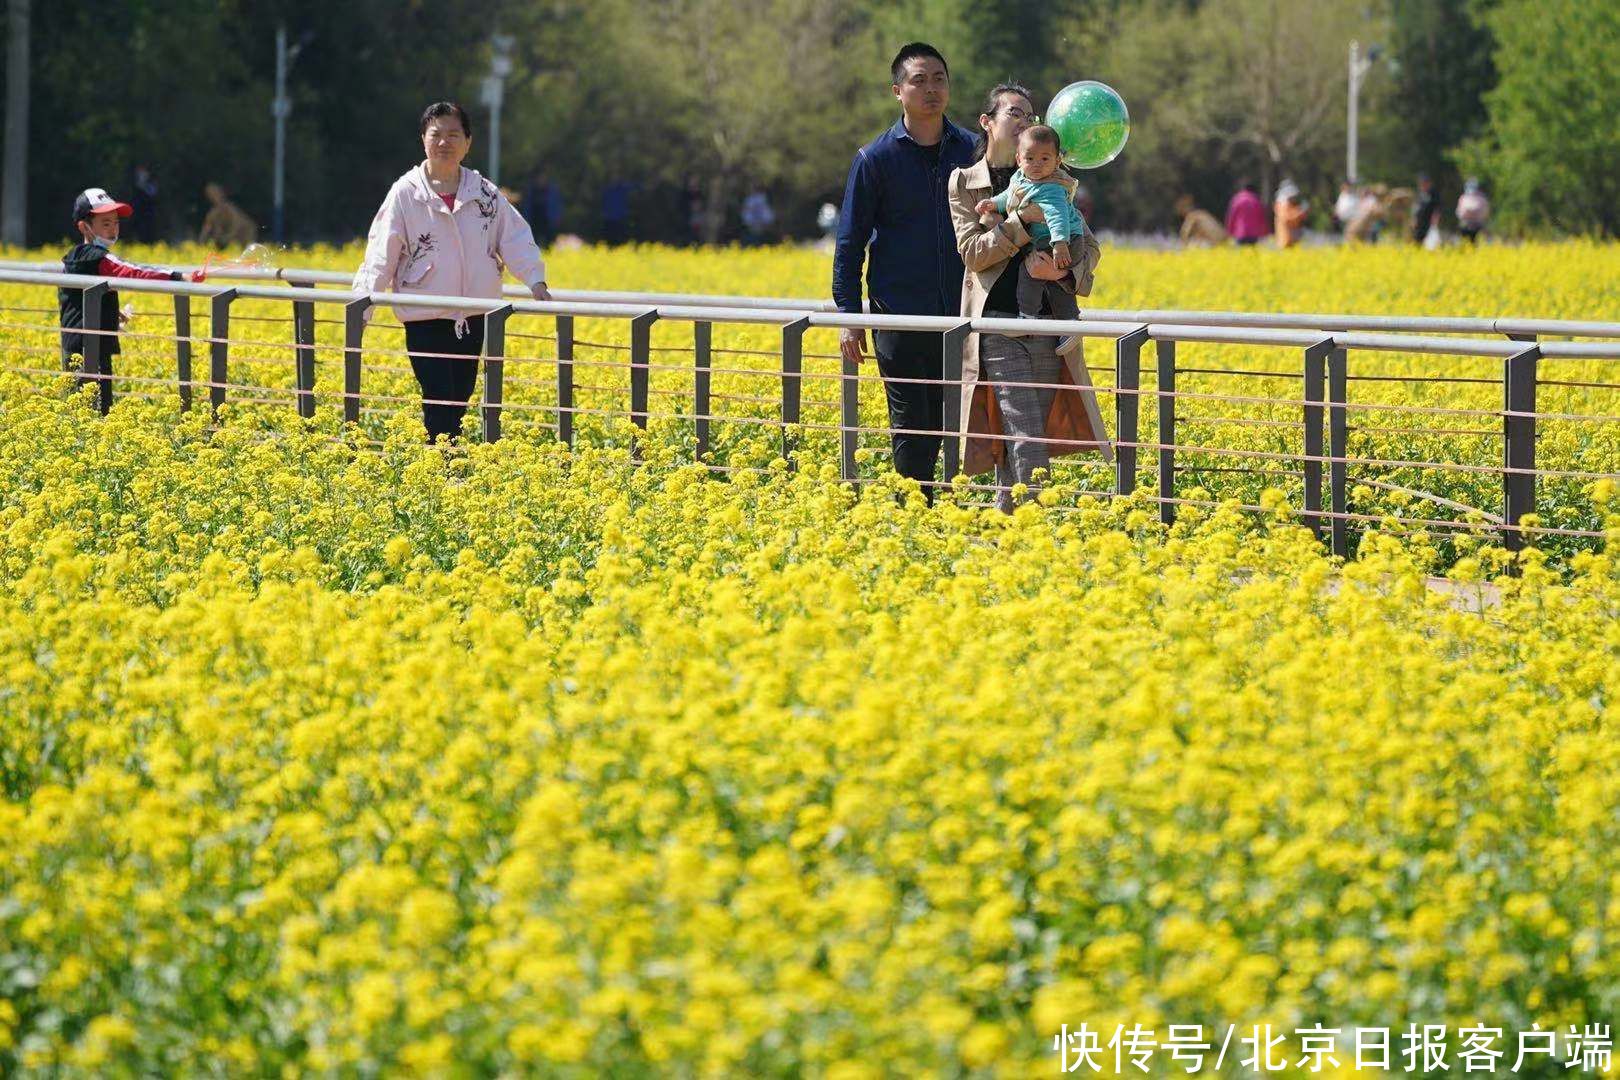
(985, 206)
(1060, 255)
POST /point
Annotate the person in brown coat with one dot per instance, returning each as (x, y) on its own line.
(1198, 226)
(226, 226)
(1020, 387)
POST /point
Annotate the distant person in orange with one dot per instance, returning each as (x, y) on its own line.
(1198, 226)
(226, 226)
(1289, 212)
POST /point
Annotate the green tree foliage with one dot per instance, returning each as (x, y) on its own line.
(739, 91)
(723, 95)
(1224, 89)
(1551, 152)
(1442, 69)
(120, 85)
(184, 87)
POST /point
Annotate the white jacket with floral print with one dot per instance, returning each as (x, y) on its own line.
(417, 244)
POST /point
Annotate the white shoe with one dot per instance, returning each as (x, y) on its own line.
(1067, 344)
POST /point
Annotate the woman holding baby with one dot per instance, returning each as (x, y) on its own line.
(1025, 398)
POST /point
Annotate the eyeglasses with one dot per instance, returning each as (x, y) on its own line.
(1019, 114)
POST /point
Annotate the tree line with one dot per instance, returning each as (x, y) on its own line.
(695, 102)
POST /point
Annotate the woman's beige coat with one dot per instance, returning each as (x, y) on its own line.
(1074, 418)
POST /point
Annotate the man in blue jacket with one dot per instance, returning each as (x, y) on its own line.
(895, 201)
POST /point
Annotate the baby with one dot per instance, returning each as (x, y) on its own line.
(1040, 182)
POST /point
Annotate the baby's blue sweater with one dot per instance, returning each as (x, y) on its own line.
(1063, 222)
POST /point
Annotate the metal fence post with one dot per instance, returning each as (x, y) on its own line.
(494, 370)
(1127, 407)
(849, 417)
(1338, 378)
(1166, 351)
(219, 349)
(565, 379)
(95, 370)
(702, 339)
(792, 381)
(640, 357)
(1518, 443)
(182, 348)
(304, 339)
(354, 329)
(1315, 397)
(954, 342)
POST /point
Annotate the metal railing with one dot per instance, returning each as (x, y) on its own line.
(1516, 329)
(1323, 347)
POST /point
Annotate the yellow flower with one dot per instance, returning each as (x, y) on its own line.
(526, 758)
(397, 551)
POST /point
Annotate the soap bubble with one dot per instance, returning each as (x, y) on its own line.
(1091, 120)
(258, 257)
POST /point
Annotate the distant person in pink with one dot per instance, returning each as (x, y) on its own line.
(1246, 218)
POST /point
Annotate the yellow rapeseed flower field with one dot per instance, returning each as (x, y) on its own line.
(324, 752)
(1405, 408)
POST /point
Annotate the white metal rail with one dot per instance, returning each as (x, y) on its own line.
(1324, 344)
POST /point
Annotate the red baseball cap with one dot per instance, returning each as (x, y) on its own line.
(96, 201)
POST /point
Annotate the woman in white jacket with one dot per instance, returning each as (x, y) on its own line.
(444, 230)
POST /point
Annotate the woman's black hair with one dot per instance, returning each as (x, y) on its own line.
(444, 108)
(992, 102)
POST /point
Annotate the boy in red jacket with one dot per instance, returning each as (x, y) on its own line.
(96, 215)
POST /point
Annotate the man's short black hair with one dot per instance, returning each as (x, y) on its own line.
(913, 51)
(444, 108)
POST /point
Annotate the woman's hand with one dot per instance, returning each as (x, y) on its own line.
(1042, 267)
(540, 291)
(1031, 212)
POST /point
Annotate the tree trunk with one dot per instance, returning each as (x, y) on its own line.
(14, 215)
(714, 208)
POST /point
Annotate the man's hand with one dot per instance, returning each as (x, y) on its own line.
(1031, 212)
(1042, 267)
(1060, 255)
(540, 291)
(852, 343)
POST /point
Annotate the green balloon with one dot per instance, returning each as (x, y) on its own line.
(1091, 121)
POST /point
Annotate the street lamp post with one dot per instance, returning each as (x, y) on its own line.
(500, 66)
(1359, 66)
(281, 108)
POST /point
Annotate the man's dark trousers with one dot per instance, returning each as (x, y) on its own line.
(913, 406)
